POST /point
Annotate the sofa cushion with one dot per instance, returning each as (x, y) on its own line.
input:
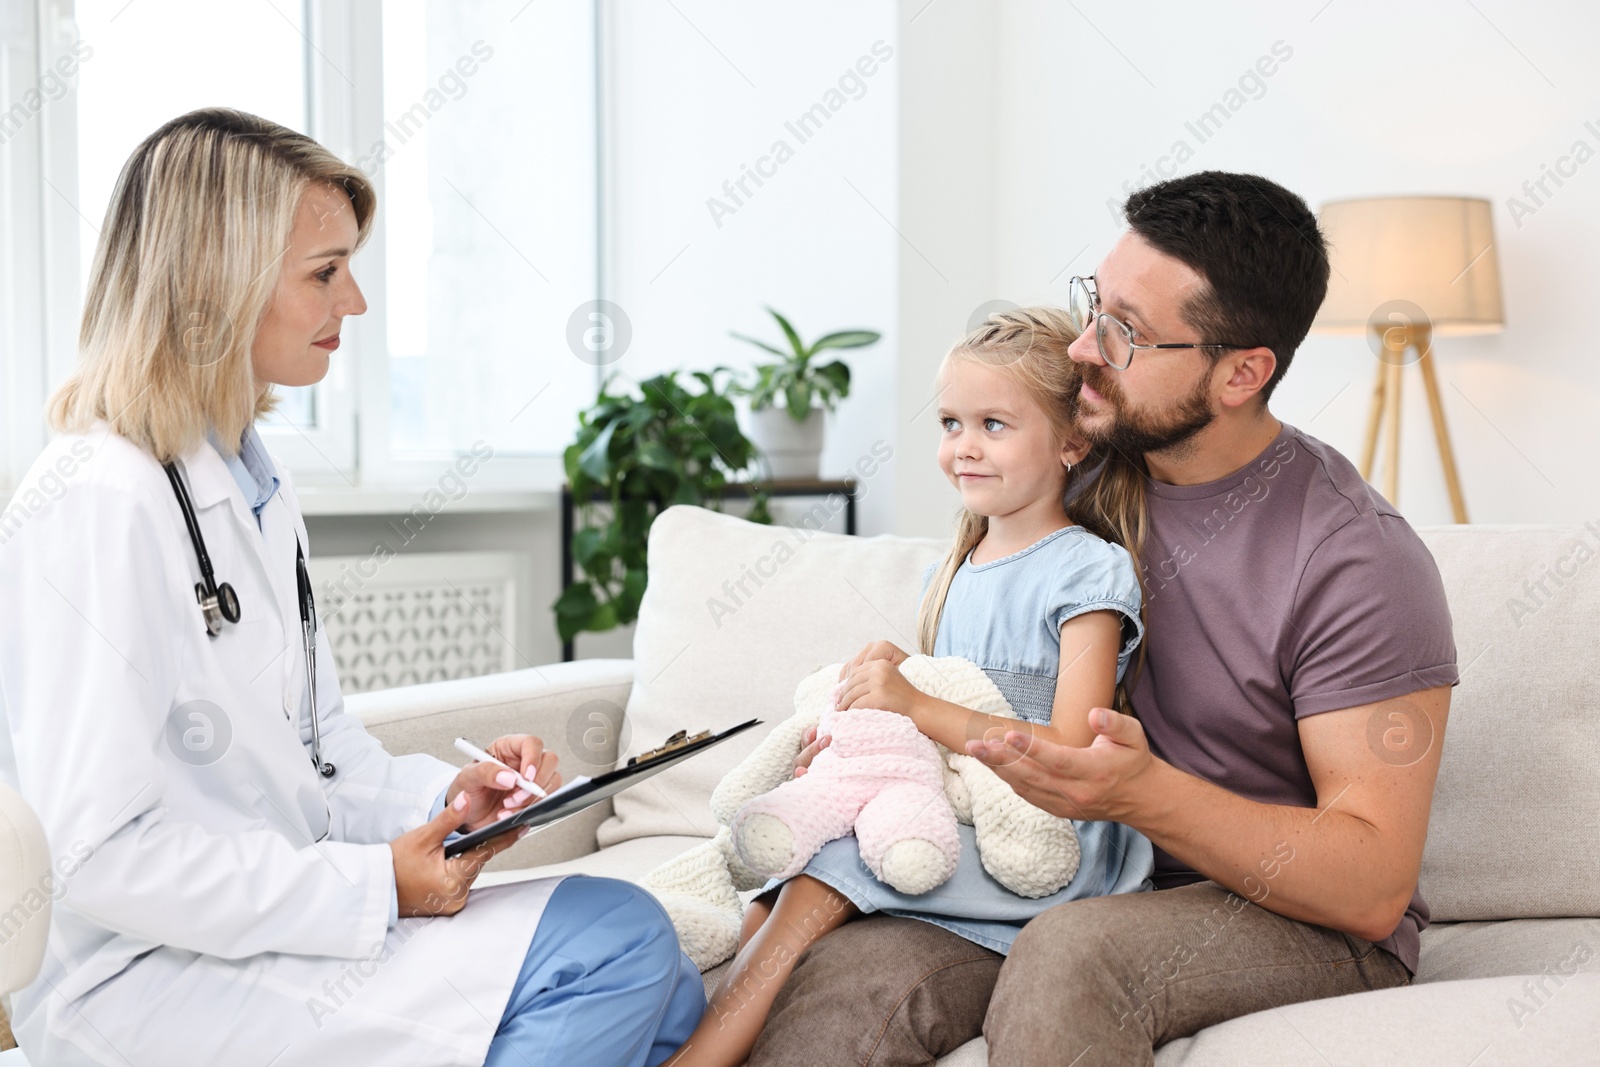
(1452, 951)
(735, 614)
(1483, 1021)
(1512, 832)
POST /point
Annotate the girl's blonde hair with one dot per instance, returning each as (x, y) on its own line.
(186, 267)
(1106, 490)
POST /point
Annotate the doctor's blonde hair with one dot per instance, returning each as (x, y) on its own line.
(186, 266)
(1104, 493)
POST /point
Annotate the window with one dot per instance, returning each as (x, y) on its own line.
(478, 126)
(133, 83)
(487, 159)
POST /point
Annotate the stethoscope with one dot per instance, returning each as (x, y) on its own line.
(218, 602)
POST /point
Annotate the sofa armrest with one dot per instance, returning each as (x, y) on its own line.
(575, 708)
(24, 870)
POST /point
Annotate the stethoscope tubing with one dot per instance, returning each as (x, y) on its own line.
(308, 637)
(308, 606)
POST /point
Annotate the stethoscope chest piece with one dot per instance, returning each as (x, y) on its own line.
(224, 604)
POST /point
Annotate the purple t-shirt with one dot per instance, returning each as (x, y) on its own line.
(1288, 588)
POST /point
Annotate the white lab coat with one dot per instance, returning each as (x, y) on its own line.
(219, 902)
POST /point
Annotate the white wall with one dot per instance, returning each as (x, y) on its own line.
(1376, 98)
(701, 90)
(949, 188)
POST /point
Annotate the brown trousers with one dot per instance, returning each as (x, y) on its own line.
(1100, 981)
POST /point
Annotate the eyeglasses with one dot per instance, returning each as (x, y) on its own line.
(1114, 336)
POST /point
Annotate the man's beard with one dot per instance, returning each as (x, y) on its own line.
(1134, 435)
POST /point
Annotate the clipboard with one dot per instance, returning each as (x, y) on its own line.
(574, 798)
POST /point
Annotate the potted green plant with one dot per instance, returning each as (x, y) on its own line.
(788, 397)
(639, 453)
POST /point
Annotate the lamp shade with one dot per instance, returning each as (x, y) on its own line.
(1436, 252)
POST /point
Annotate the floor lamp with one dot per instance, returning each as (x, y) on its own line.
(1405, 269)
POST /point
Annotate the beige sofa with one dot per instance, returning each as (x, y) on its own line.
(736, 614)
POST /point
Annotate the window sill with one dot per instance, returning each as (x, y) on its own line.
(400, 500)
(323, 500)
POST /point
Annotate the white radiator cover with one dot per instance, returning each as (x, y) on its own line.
(398, 620)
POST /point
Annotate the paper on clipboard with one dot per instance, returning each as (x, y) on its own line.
(566, 787)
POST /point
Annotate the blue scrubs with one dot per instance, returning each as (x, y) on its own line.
(604, 983)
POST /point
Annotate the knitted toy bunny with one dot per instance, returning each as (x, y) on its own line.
(1027, 850)
(879, 776)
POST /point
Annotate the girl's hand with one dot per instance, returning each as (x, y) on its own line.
(878, 683)
(492, 791)
(883, 650)
(802, 762)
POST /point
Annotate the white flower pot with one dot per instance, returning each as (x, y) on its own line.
(789, 449)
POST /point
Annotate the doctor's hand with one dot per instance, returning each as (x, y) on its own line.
(427, 883)
(492, 791)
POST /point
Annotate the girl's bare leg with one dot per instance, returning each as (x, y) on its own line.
(804, 911)
(756, 915)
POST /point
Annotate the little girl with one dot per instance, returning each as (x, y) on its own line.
(1037, 592)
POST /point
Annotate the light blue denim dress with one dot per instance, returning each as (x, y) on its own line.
(1006, 616)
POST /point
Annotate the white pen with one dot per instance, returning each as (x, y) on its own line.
(468, 748)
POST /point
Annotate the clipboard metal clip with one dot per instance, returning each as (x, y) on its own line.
(681, 739)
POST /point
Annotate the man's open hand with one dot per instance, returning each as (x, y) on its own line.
(1105, 781)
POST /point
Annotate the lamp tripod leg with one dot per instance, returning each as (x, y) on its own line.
(1441, 433)
(1369, 448)
(1391, 478)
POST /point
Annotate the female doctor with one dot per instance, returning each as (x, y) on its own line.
(247, 876)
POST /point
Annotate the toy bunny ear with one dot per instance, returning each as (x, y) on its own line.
(1026, 849)
(700, 892)
(772, 762)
